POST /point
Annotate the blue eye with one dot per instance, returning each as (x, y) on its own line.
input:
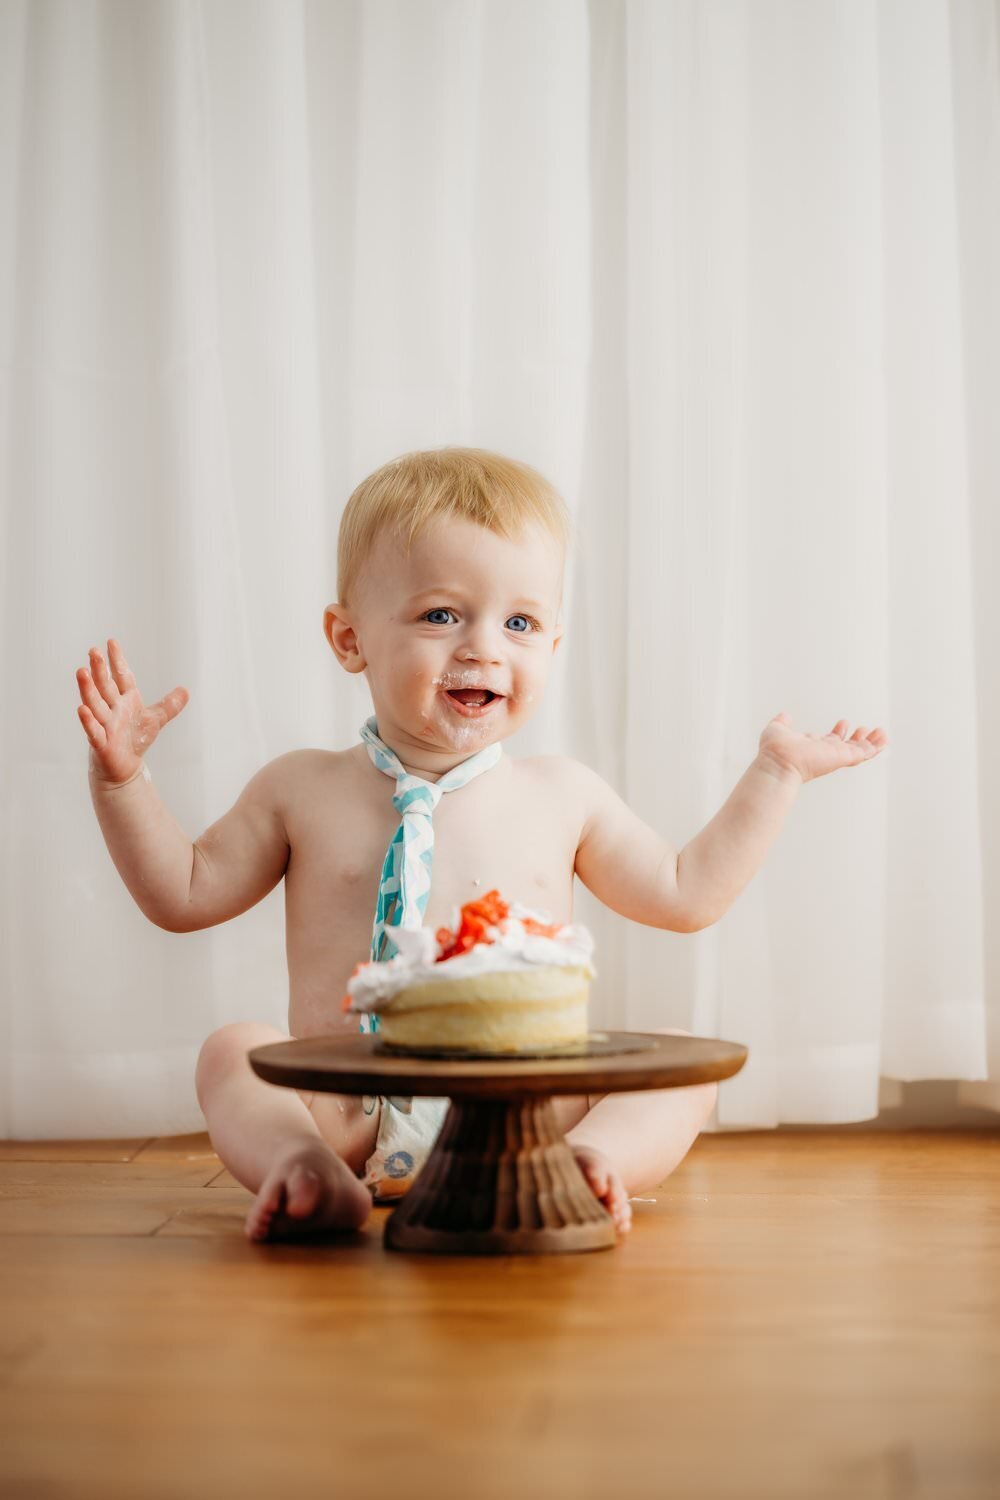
(530, 624)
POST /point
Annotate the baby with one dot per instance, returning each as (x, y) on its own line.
(450, 580)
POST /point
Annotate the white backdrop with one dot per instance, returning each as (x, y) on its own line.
(726, 273)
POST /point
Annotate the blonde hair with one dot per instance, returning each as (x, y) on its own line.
(408, 493)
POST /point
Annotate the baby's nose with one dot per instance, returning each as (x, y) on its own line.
(481, 656)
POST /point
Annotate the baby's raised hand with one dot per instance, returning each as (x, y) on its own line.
(119, 726)
(605, 1183)
(812, 755)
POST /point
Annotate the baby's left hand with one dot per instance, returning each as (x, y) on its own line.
(813, 755)
(606, 1184)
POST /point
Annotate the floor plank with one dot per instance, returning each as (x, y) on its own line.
(793, 1314)
(72, 1150)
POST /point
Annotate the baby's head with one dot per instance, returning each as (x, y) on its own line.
(449, 576)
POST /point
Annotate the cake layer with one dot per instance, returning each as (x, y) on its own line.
(511, 1026)
(544, 983)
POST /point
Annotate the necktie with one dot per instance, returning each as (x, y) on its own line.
(405, 882)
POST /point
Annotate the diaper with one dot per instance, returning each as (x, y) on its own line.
(407, 1130)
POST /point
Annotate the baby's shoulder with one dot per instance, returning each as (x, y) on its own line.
(568, 783)
(295, 765)
(295, 775)
(549, 767)
(561, 769)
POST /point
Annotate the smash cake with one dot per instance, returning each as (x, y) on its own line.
(500, 980)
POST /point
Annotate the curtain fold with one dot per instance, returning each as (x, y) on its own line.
(725, 272)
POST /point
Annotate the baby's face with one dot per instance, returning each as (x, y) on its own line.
(465, 609)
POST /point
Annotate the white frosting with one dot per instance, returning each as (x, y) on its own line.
(512, 948)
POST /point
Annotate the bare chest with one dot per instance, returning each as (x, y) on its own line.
(508, 829)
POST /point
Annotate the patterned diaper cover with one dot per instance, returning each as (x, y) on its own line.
(407, 1129)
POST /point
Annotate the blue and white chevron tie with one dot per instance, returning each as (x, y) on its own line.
(405, 882)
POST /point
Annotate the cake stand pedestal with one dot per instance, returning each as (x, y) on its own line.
(500, 1178)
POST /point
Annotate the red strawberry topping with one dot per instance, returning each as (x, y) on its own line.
(476, 917)
(490, 910)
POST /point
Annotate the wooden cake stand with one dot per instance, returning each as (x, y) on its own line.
(500, 1178)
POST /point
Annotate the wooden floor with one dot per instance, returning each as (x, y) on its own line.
(794, 1314)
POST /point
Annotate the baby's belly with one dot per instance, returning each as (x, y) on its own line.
(330, 911)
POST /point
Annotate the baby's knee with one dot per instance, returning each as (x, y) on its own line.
(706, 1094)
(226, 1049)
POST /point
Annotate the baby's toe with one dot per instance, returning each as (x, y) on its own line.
(263, 1211)
(303, 1191)
(622, 1212)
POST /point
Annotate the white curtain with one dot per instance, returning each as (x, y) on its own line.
(727, 273)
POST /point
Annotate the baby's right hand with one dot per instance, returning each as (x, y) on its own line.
(119, 726)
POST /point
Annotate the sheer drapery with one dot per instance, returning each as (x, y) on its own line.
(726, 273)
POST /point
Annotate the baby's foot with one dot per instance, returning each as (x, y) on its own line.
(307, 1190)
(605, 1183)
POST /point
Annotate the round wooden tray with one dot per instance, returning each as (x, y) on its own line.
(500, 1178)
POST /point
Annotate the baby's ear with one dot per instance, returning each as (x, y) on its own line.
(343, 638)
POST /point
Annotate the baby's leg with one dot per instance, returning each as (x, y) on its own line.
(643, 1136)
(653, 1129)
(270, 1142)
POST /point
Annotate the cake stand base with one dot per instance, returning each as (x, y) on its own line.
(500, 1180)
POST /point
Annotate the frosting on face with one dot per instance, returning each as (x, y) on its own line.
(507, 944)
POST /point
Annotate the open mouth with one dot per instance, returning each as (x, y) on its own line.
(472, 701)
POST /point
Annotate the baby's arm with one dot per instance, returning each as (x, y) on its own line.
(715, 866)
(634, 871)
(178, 884)
(631, 869)
(184, 886)
(626, 864)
